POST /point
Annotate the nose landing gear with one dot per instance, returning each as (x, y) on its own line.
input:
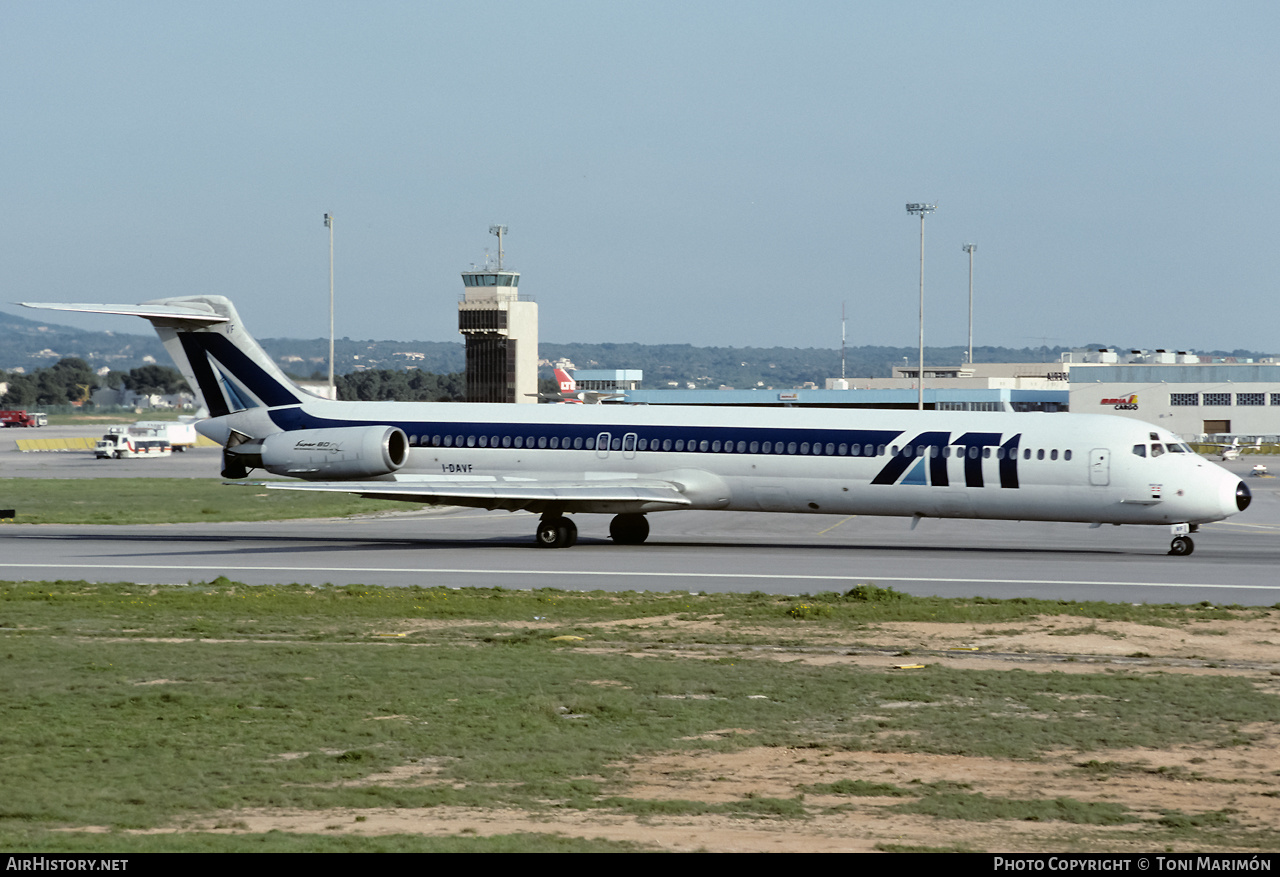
(1182, 544)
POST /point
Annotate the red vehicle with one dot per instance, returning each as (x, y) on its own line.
(22, 418)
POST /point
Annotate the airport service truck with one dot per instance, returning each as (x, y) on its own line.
(22, 418)
(129, 442)
(179, 435)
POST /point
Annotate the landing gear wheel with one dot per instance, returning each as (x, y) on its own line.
(556, 532)
(1181, 546)
(629, 529)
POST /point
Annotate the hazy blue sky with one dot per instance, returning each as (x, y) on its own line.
(718, 173)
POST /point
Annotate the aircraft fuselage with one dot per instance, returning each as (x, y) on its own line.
(931, 464)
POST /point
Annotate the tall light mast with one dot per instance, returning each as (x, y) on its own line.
(328, 223)
(842, 341)
(921, 210)
(969, 248)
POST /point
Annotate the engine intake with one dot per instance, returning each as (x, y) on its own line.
(342, 453)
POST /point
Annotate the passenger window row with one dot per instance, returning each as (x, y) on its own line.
(719, 446)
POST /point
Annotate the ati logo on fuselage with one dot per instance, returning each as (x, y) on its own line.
(924, 459)
(1124, 403)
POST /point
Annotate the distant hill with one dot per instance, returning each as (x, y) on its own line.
(31, 344)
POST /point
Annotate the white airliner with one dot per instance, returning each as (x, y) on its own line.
(628, 461)
(1233, 450)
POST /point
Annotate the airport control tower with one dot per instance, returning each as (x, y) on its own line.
(501, 328)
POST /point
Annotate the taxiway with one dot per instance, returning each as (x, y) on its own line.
(1234, 560)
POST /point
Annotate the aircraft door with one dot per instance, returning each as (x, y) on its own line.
(602, 445)
(629, 446)
(1100, 467)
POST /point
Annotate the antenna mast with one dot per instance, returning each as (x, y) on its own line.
(499, 230)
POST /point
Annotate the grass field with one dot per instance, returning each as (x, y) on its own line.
(189, 718)
(171, 500)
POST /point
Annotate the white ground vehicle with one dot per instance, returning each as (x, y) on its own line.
(125, 443)
(179, 435)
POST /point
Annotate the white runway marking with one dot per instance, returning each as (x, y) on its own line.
(861, 578)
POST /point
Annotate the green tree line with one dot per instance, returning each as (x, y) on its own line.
(72, 380)
(376, 385)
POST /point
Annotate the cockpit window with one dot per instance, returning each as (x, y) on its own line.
(1156, 449)
(1139, 450)
(1177, 448)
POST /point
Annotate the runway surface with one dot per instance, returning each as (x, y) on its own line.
(1235, 561)
(195, 463)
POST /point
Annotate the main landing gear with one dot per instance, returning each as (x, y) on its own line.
(629, 529)
(557, 531)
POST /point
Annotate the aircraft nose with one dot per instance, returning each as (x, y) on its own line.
(1243, 496)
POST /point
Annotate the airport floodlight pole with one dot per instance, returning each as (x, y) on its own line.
(328, 223)
(969, 248)
(921, 210)
(499, 230)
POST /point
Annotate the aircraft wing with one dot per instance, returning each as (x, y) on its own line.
(555, 397)
(595, 398)
(588, 397)
(608, 497)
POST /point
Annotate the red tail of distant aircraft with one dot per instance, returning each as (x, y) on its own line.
(569, 394)
(568, 388)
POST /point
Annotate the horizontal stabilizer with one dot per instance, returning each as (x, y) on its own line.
(221, 362)
(187, 313)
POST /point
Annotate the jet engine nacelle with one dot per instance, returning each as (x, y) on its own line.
(325, 454)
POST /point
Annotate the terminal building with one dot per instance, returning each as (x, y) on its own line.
(501, 330)
(609, 380)
(1187, 394)
(983, 387)
(1193, 399)
(935, 399)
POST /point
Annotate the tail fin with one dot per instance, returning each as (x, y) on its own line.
(566, 381)
(219, 359)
